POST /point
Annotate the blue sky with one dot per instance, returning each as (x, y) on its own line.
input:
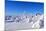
(17, 7)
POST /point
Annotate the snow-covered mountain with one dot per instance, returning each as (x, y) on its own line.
(24, 21)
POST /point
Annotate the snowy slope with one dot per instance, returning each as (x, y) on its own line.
(25, 22)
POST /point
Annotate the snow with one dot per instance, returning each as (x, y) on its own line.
(25, 22)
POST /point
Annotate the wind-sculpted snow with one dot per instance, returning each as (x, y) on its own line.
(24, 22)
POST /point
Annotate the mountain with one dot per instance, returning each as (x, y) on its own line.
(25, 21)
